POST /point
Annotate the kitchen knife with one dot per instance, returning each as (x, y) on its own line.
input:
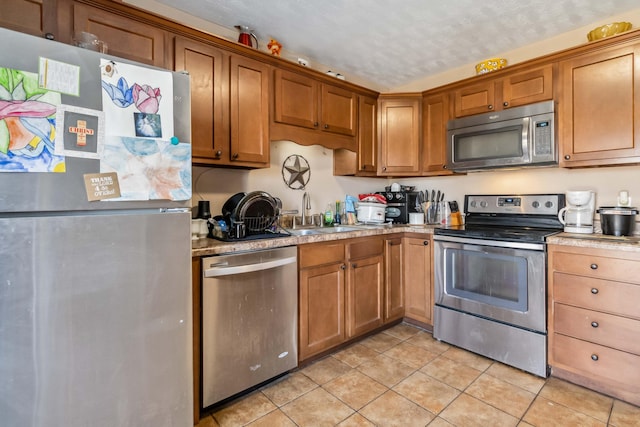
(438, 196)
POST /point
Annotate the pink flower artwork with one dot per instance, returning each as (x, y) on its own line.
(146, 98)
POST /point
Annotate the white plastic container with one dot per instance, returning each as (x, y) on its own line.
(371, 213)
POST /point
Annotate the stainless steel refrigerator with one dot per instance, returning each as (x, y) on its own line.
(95, 291)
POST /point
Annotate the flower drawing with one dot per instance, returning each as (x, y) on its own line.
(146, 98)
(27, 123)
(121, 94)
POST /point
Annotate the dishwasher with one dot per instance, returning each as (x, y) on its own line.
(249, 320)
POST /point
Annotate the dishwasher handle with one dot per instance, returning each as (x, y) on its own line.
(218, 270)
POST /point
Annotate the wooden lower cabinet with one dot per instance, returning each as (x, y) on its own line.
(365, 285)
(418, 279)
(594, 322)
(321, 301)
(394, 280)
(341, 291)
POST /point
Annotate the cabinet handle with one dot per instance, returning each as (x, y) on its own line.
(218, 154)
(567, 157)
(594, 290)
(354, 265)
(594, 357)
(315, 124)
(384, 168)
(505, 104)
(444, 166)
(594, 266)
(343, 267)
(426, 243)
(490, 107)
(326, 126)
(49, 36)
(235, 156)
(595, 324)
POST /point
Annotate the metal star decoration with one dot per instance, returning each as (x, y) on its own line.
(298, 171)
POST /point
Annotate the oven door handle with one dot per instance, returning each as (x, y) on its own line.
(221, 269)
(494, 243)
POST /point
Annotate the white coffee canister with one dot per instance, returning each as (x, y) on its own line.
(416, 218)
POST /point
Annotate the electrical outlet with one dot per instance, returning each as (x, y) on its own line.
(303, 62)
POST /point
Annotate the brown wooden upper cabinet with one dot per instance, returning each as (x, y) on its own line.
(599, 108)
(521, 87)
(400, 135)
(126, 37)
(226, 90)
(301, 102)
(436, 111)
(367, 131)
(28, 16)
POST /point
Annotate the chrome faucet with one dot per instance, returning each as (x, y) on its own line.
(306, 207)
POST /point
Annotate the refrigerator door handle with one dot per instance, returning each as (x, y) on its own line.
(218, 270)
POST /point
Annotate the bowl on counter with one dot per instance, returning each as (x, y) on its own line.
(617, 221)
(608, 30)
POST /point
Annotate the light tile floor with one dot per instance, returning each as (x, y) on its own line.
(404, 377)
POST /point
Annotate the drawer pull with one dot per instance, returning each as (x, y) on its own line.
(594, 266)
(595, 324)
(594, 357)
(343, 267)
(426, 243)
(594, 290)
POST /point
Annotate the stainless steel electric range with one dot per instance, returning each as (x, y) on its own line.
(491, 281)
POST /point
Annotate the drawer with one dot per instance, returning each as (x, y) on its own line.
(612, 331)
(315, 254)
(623, 270)
(597, 294)
(610, 365)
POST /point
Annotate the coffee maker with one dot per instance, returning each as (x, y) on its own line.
(577, 215)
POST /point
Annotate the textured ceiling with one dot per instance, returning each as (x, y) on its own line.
(396, 42)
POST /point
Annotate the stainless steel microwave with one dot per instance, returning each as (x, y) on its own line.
(513, 138)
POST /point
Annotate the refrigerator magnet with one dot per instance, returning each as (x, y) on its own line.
(101, 186)
(80, 132)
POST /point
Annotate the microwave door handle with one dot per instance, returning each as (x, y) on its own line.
(527, 132)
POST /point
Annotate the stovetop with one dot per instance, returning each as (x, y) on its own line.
(515, 218)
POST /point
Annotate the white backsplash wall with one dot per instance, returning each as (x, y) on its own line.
(218, 184)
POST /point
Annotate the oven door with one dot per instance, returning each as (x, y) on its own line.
(503, 281)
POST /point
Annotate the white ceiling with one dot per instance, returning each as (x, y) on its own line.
(396, 42)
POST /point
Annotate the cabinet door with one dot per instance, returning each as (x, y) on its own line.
(364, 295)
(367, 141)
(209, 129)
(527, 87)
(295, 99)
(394, 282)
(418, 280)
(475, 99)
(598, 110)
(435, 114)
(400, 133)
(26, 16)
(339, 110)
(126, 38)
(249, 111)
(321, 308)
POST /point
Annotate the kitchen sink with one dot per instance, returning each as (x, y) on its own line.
(325, 230)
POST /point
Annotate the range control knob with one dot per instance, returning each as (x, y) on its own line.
(399, 196)
(473, 204)
(484, 204)
(549, 204)
(536, 204)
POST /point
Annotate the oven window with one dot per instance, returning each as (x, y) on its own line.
(495, 279)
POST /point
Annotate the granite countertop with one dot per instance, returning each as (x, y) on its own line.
(205, 247)
(597, 240)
